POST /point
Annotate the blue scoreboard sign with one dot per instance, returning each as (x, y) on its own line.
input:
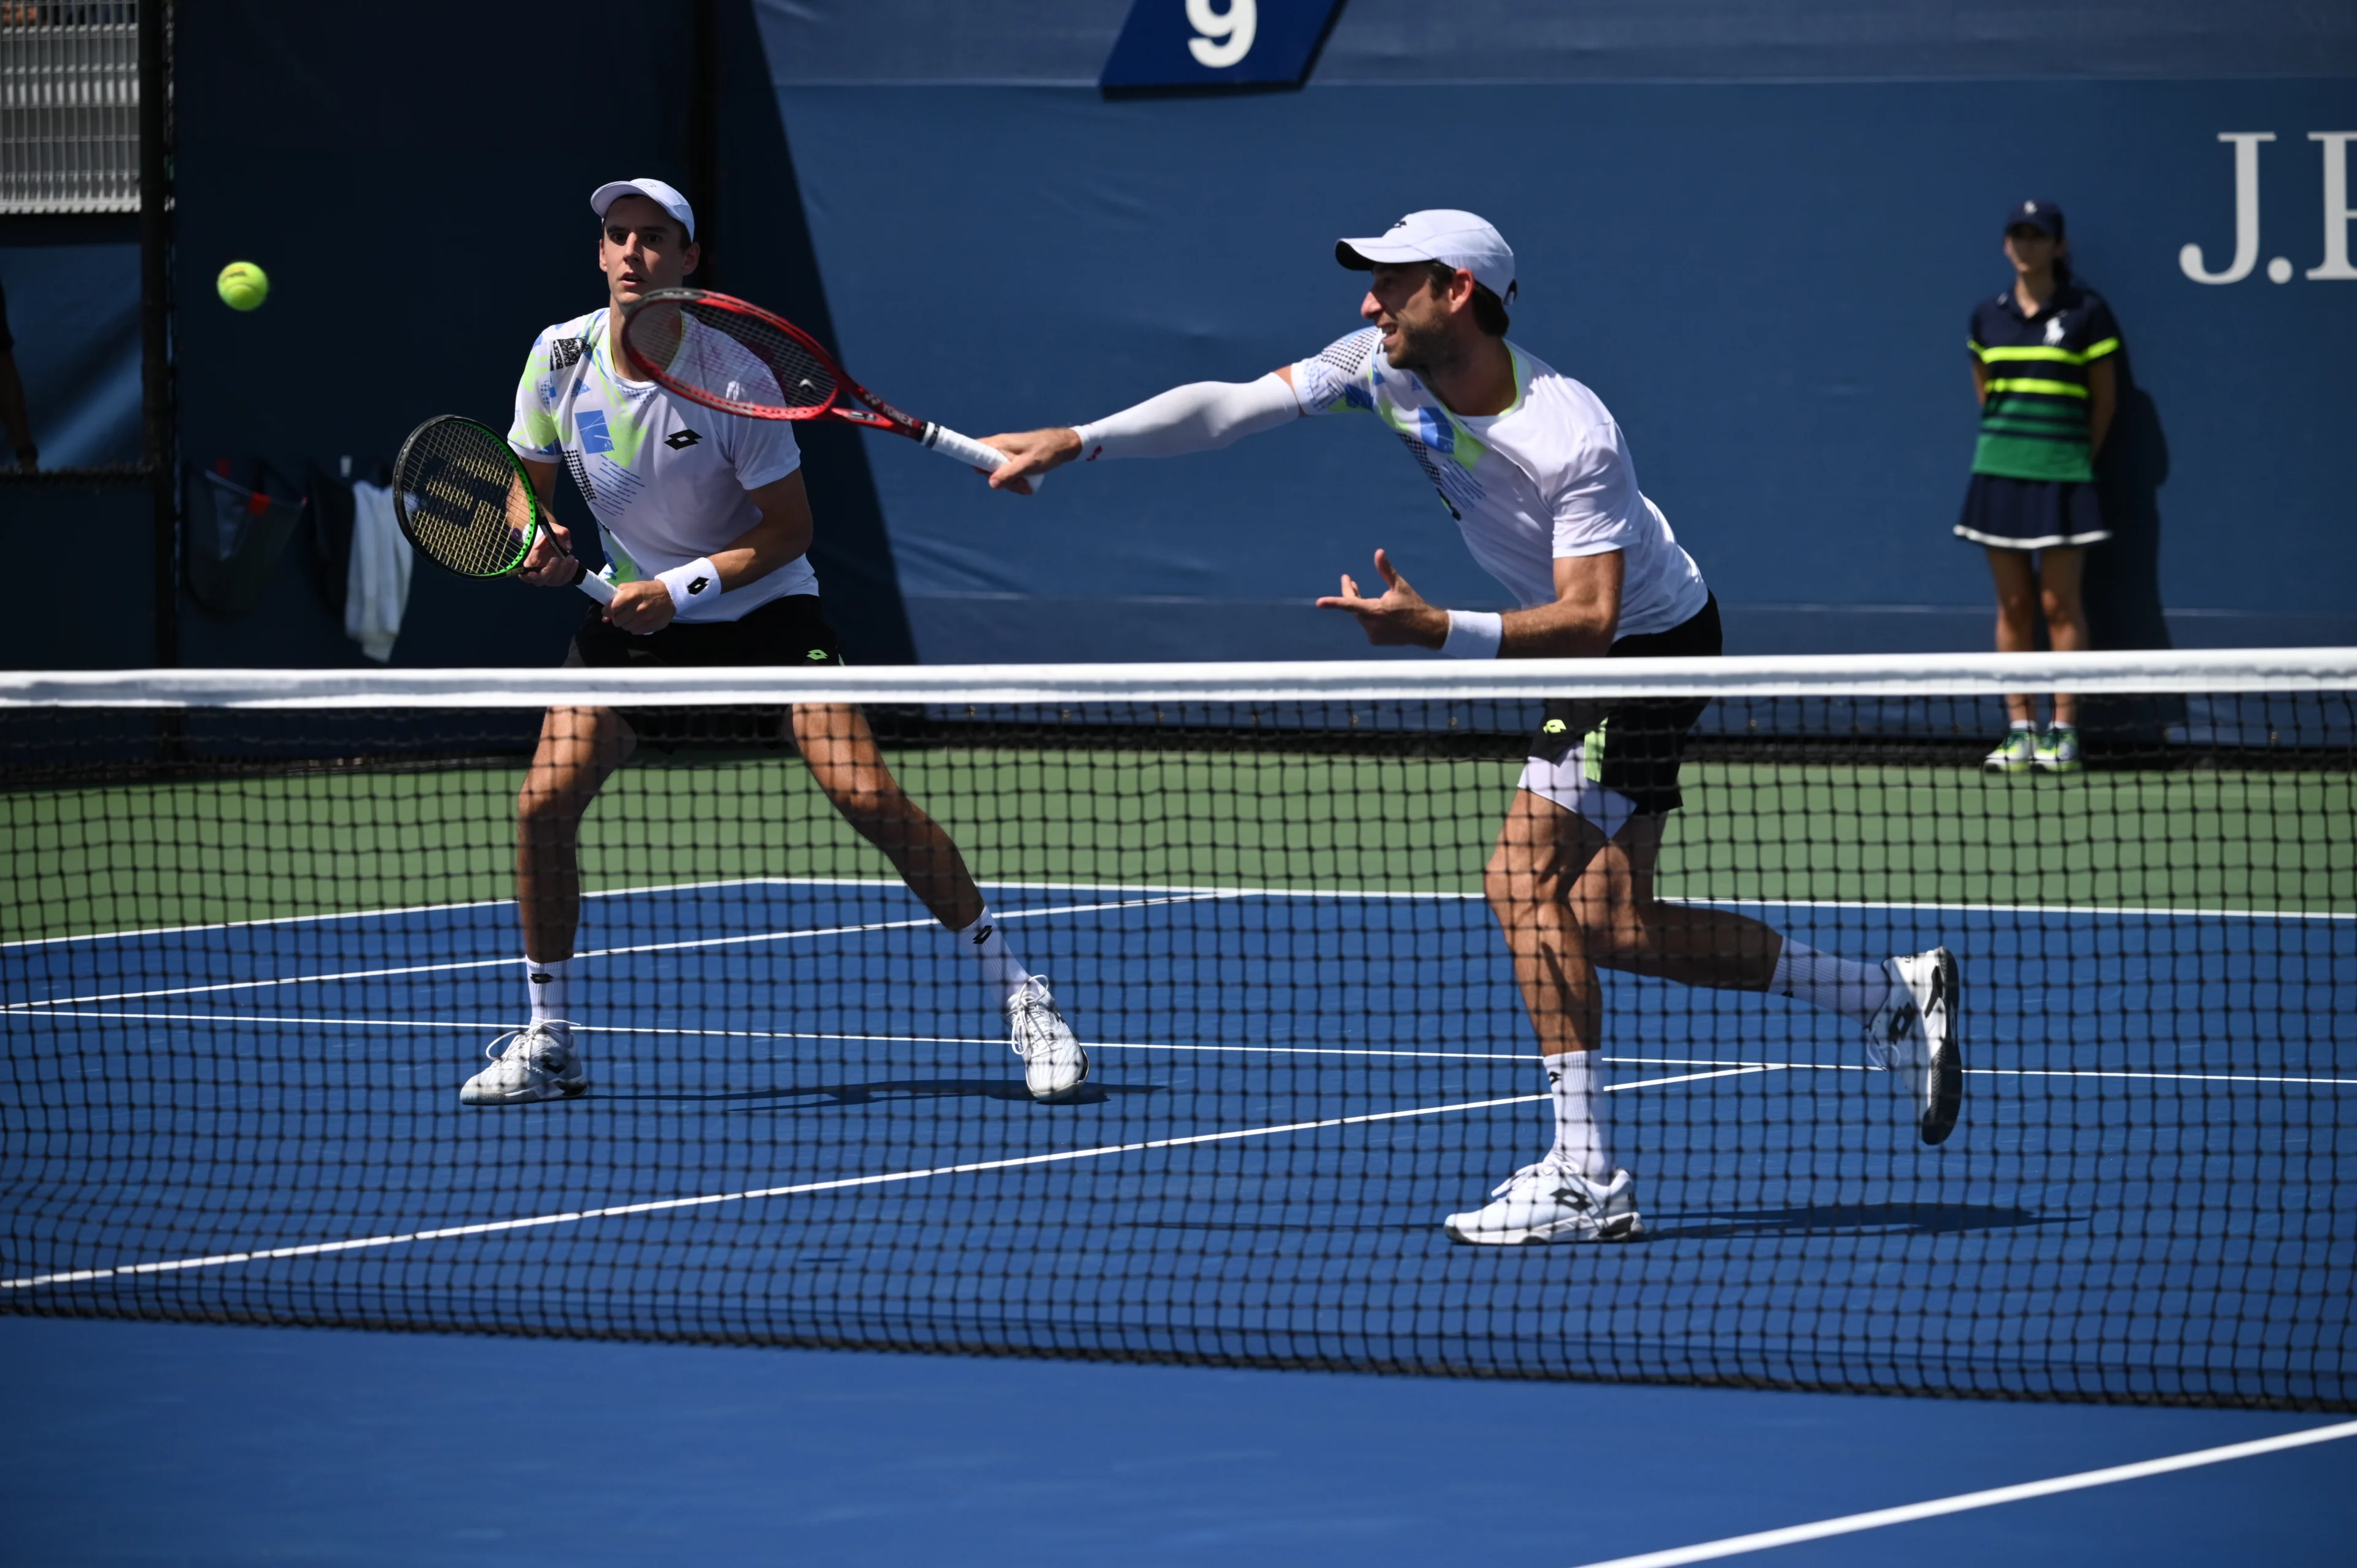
(1217, 43)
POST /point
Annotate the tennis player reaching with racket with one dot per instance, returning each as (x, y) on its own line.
(707, 527)
(1538, 477)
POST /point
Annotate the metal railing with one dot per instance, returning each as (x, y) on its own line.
(68, 106)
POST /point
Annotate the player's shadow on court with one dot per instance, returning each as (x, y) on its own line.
(1850, 1219)
(836, 1096)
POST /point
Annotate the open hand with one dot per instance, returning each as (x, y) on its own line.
(1400, 618)
(1031, 452)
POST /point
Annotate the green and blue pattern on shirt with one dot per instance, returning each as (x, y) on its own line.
(2034, 422)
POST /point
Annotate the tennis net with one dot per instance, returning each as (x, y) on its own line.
(261, 928)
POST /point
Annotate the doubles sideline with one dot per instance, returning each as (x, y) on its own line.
(1877, 1519)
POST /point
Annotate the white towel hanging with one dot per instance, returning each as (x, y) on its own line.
(376, 589)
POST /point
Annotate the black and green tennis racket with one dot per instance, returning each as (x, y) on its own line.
(464, 501)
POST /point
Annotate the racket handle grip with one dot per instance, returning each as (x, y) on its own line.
(594, 585)
(967, 450)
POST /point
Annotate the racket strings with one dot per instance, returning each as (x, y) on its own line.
(734, 358)
(463, 503)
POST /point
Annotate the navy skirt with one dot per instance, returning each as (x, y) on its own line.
(2030, 515)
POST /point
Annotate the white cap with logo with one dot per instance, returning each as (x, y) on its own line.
(654, 190)
(1440, 234)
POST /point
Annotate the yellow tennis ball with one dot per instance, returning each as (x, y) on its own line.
(243, 286)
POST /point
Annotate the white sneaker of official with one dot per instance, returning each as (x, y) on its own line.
(1916, 1036)
(538, 1063)
(1053, 1062)
(1551, 1202)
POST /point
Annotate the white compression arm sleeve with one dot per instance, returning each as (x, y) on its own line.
(1200, 416)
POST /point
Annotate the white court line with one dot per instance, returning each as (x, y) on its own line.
(1849, 1524)
(494, 1028)
(2000, 1072)
(1152, 887)
(437, 908)
(1692, 1077)
(692, 943)
(875, 882)
(657, 1206)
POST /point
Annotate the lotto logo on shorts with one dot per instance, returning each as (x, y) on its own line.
(817, 653)
(1554, 727)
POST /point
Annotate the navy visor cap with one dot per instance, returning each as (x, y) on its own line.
(2043, 215)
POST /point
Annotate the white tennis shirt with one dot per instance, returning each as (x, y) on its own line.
(1549, 477)
(666, 478)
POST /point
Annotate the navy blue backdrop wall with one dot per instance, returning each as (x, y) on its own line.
(1756, 231)
(422, 212)
(1755, 228)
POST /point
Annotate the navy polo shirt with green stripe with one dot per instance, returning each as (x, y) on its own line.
(2034, 424)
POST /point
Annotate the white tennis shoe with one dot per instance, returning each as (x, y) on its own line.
(1916, 1036)
(1552, 1202)
(1054, 1063)
(538, 1063)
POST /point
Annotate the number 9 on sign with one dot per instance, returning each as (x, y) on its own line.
(1227, 37)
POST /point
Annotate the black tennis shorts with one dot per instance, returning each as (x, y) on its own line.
(1635, 747)
(789, 630)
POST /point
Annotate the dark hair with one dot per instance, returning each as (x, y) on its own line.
(1489, 310)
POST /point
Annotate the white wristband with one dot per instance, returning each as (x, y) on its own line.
(696, 583)
(1474, 634)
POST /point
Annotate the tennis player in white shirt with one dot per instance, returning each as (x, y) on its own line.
(1538, 477)
(707, 530)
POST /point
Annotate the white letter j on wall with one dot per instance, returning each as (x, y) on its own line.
(2246, 213)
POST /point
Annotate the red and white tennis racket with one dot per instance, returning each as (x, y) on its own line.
(726, 354)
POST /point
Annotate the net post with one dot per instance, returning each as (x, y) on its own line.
(160, 446)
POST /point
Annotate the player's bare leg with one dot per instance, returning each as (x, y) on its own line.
(579, 749)
(1571, 901)
(849, 767)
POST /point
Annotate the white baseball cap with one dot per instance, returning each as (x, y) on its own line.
(1441, 234)
(654, 190)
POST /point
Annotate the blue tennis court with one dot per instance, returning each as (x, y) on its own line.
(806, 1129)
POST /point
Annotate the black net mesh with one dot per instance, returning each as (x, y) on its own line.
(253, 955)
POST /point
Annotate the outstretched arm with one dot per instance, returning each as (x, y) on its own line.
(1201, 416)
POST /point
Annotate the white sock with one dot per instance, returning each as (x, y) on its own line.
(1582, 1139)
(1855, 991)
(987, 942)
(551, 985)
